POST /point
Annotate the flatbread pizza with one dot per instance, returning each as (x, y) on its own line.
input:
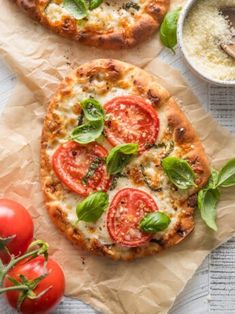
(121, 164)
(109, 24)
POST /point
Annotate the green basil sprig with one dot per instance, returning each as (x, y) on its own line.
(92, 109)
(208, 197)
(77, 8)
(227, 175)
(179, 172)
(213, 180)
(92, 207)
(207, 202)
(154, 222)
(87, 133)
(120, 156)
(94, 122)
(168, 29)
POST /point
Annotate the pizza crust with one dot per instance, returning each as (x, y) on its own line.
(142, 26)
(91, 76)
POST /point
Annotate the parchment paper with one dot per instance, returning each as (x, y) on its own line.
(144, 286)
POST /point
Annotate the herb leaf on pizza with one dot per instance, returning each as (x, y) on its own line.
(119, 157)
(109, 24)
(155, 222)
(77, 8)
(130, 190)
(92, 207)
(179, 172)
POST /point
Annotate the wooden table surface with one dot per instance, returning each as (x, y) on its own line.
(212, 288)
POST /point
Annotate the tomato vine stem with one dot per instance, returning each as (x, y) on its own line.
(20, 287)
(41, 250)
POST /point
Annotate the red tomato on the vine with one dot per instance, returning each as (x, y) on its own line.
(17, 225)
(53, 285)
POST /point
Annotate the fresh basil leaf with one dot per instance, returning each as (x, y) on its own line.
(207, 201)
(77, 8)
(93, 4)
(88, 132)
(94, 126)
(154, 222)
(120, 156)
(179, 172)
(92, 207)
(92, 109)
(227, 174)
(213, 180)
(209, 197)
(168, 29)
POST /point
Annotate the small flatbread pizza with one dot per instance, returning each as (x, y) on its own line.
(109, 24)
(121, 164)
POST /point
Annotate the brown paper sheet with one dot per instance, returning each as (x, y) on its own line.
(111, 287)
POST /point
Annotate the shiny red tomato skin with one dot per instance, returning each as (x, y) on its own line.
(132, 119)
(32, 269)
(15, 220)
(71, 162)
(126, 210)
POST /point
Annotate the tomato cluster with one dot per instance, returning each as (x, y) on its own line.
(32, 282)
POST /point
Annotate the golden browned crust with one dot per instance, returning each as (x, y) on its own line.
(186, 137)
(112, 73)
(126, 35)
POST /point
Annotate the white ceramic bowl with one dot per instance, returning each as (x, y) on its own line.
(196, 71)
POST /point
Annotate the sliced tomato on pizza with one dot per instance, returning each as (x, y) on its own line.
(128, 207)
(81, 167)
(131, 119)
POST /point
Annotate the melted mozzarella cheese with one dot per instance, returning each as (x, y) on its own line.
(55, 12)
(109, 15)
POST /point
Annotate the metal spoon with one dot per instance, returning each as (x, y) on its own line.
(229, 13)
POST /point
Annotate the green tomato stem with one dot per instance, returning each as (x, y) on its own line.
(41, 250)
(4, 270)
(13, 288)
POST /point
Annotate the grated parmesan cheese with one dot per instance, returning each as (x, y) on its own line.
(205, 29)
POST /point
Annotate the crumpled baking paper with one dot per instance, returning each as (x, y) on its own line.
(148, 285)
